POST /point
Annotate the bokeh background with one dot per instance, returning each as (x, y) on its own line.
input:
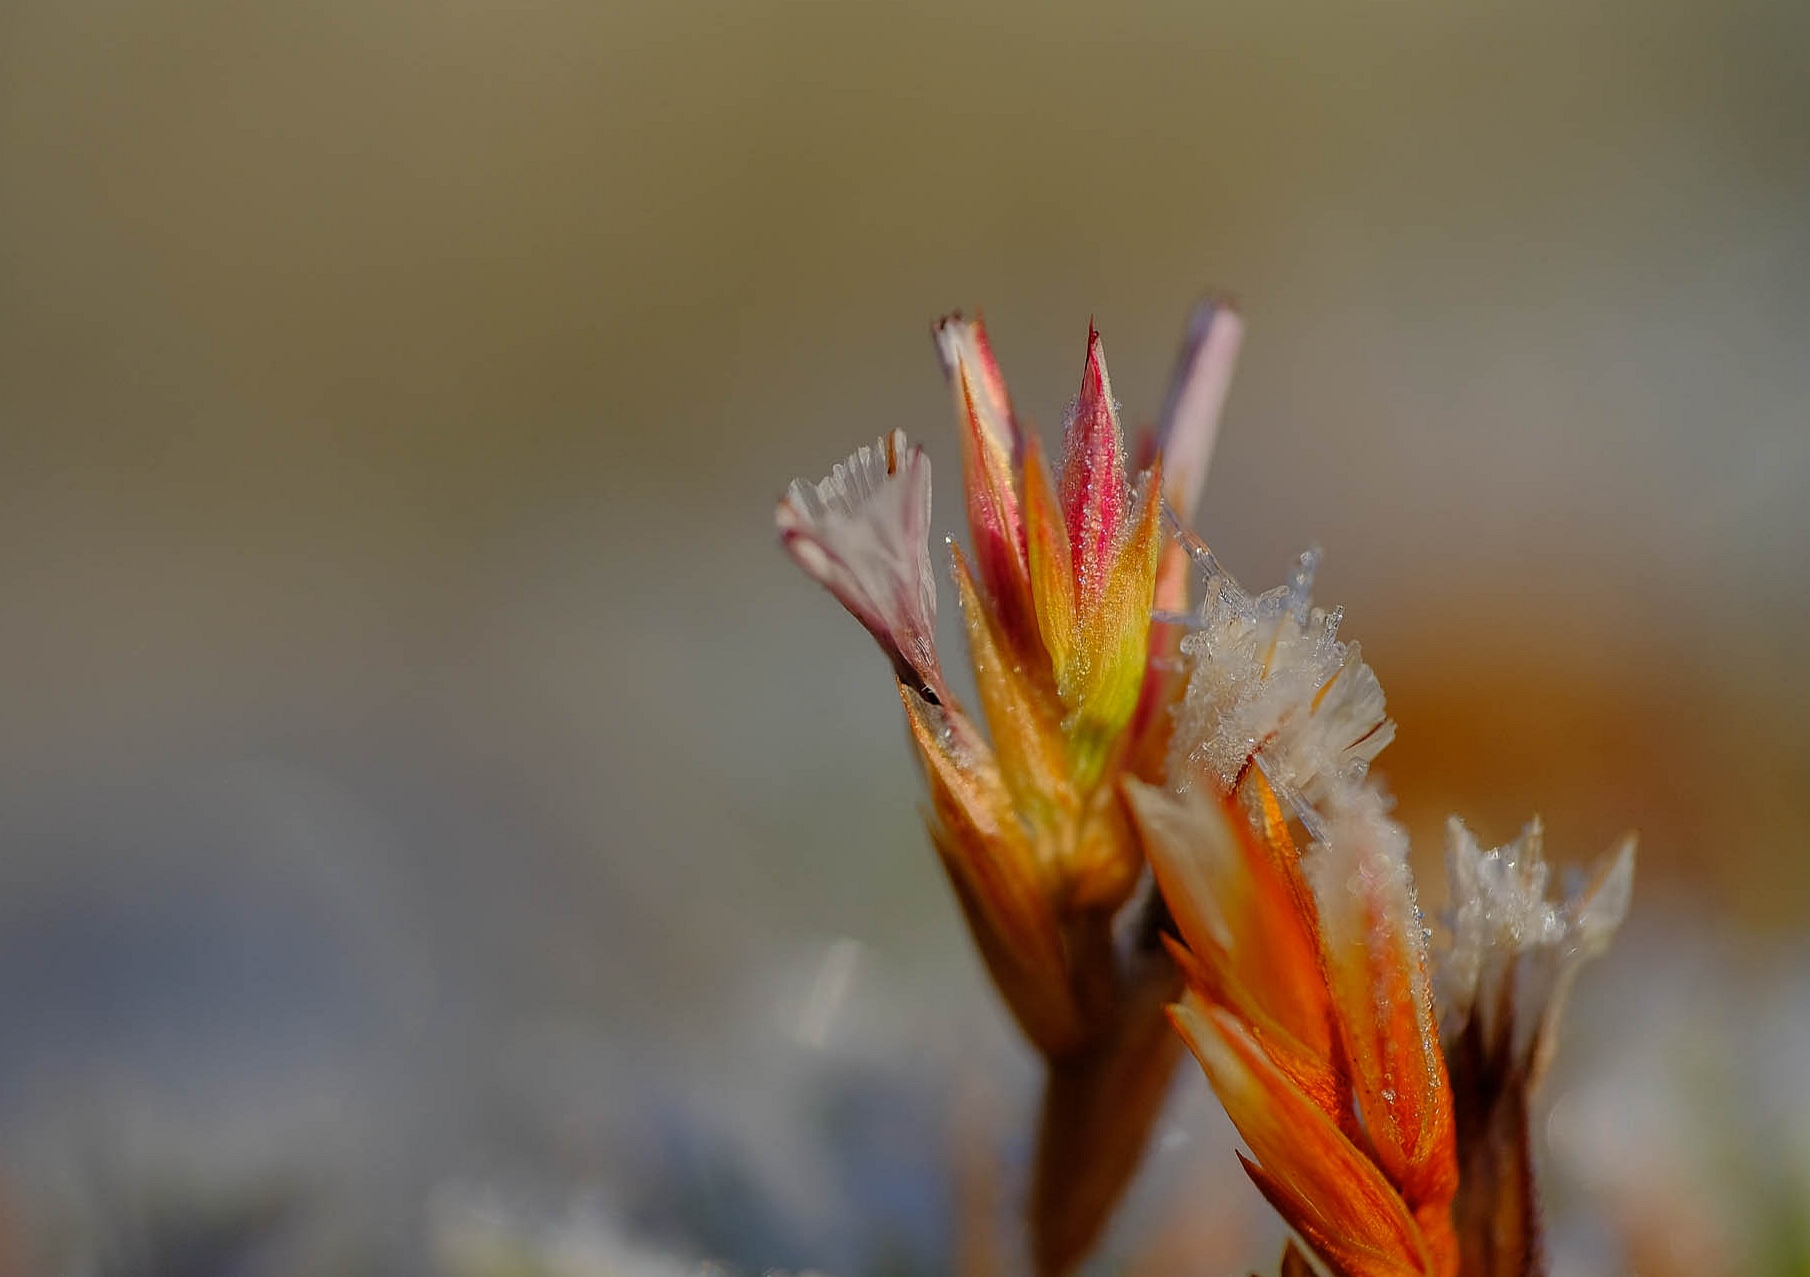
(439, 833)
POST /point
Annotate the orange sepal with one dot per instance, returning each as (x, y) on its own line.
(1023, 717)
(1329, 1192)
(1338, 1252)
(1376, 965)
(1004, 891)
(1237, 913)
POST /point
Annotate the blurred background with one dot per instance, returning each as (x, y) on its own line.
(440, 833)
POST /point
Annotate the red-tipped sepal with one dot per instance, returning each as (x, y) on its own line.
(992, 453)
(1096, 498)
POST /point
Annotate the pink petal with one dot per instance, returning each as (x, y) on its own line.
(864, 535)
(1197, 393)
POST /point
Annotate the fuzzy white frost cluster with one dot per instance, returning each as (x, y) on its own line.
(1270, 683)
(1513, 952)
(1271, 687)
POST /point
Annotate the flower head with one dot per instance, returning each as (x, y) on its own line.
(1388, 1147)
(1228, 748)
(1311, 1012)
(1057, 603)
(1057, 597)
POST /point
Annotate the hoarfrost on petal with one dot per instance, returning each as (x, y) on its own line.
(1513, 952)
(1269, 681)
(863, 533)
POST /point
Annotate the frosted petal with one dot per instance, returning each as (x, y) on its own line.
(1512, 951)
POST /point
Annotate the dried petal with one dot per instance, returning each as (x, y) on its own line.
(1267, 675)
(1513, 953)
(863, 533)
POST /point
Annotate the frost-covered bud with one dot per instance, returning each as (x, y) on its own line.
(1513, 952)
(1502, 982)
(1269, 679)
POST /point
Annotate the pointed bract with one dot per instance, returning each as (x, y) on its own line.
(1003, 889)
(1236, 911)
(1333, 1195)
(1102, 686)
(1096, 496)
(992, 452)
(1024, 720)
(1052, 578)
(1374, 943)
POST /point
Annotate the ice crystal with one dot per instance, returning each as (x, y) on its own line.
(1512, 951)
(1269, 680)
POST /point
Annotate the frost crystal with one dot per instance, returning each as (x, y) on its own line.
(1269, 680)
(1513, 952)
